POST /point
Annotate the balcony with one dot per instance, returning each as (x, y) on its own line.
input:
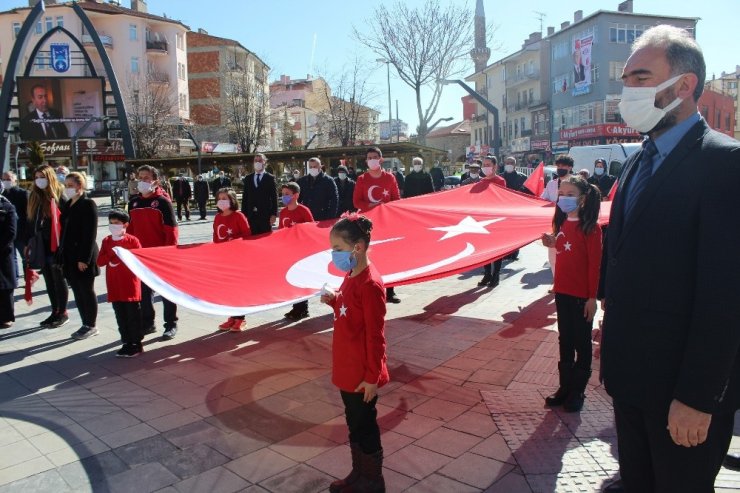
(159, 78)
(512, 108)
(516, 79)
(106, 39)
(156, 43)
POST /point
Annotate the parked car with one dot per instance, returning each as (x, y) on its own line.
(451, 182)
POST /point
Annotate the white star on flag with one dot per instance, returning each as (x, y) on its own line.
(385, 192)
(467, 225)
(342, 311)
(229, 231)
(567, 246)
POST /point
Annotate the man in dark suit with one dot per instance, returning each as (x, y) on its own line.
(670, 278)
(182, 193)
(19, 198)
(201, 195)
(35, 130)
(259, 200)
(220, 182)
(318, 192)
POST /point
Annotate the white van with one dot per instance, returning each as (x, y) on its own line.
(615, 155)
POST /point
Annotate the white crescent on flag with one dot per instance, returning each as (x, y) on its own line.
(370, 197)
(218, 232)
(418, 239)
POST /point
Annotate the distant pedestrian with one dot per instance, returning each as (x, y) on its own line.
(8, 264)
(182, 193)
(345, 189)
(491, 272)
(19, 198)
(400, 178)
(201, 194)
(259, 198)
(438, 177)
(418, 182)
(576, 238)
(230, 224)
(294, 213)
(358, 351)
(318, 192)
(601, 178)
(514, 179)
(123, 287)
(221, 181)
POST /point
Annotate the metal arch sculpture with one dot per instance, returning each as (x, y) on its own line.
(9, 83)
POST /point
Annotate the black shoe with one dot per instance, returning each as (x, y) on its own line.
(59, 321)
(169, 334)
(486, 279)
(494, 282)
(131, 350)
(46, 323)
(291, 314)
(564, 375)
(84, 332)
(297, 314)
(121, 353)
(615, 486)
(732, 461)
(150, 330)
(393, 299)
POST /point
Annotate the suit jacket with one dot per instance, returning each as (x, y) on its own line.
(79, 230)
(218, 184)
(201, 191)
(19, 198)
(320, 195)
(8, 225)
(259, 202)
(31, 130)
(670, 281)
(181, 190)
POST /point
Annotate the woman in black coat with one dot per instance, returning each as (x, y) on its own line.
(79, 251)
(8, 277)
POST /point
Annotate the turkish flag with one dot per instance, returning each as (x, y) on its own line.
(535, 183)
(413, 240)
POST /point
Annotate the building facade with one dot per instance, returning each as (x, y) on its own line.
(718, 110)
(397, 131)
(727, 84)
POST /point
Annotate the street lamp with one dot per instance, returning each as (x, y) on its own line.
(431, 127)
(390, 109)
(77, 134)
(181, 128)
(483, 101)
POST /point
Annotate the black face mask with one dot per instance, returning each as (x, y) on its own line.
(562, 172)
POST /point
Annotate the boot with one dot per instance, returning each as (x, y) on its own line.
(574, 402)
(557, 399)
(486, 279)
(371, 474)
(340, 484)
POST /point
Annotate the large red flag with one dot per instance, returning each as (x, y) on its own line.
(413, 240)
(535, 183)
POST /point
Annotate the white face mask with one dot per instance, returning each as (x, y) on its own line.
(509, 168)
(70, 193)
(258, 166)
(7, 184)
(342, 176)
(473, 175)
(116, 230)
(417, 167)
(313, 172)
(144, 187)
(638, 105)
(598, 171)
(488, 170)
(296, 175)
(41, 183)
(223, 204)
(373, 164)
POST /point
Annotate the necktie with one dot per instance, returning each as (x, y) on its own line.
(643, 175)
(258, 179)
(43, 125)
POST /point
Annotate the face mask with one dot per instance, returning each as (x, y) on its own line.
(313, 172)
(473, 175)
(41, 183)
(258, 166)
(223, 204)
(373, 164)
(509, 168)
(342, 176)
(638, 105)
(598, 171)
(116, 230)
(61, 177)
(343, 261)
(568, 204)
(563, 172)
(144, 187)
(417, 167)
(286, 199)
(488, 170)
(296, 175)
(70, 193)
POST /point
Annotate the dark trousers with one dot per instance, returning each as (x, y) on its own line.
(362, 421)
(128, 317)
(7, 307)
(259, 224)
(202, 209)
(496, 268)
(147, 309)
(180, 205)
(574, 332)
(86, 300)
(56, 287)
(649, 461)
(301, 306)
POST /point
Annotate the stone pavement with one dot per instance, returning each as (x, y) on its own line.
(255, 411)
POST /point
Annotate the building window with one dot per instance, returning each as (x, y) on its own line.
(625, 33)
(184, 102)
(134, 65)
(531, 96)
(718, 120)
(180, 41)
(60, 21)
(133, 32)
(16, 29)
(615, 70)
(181, 71)
(728, 120)
(49, 24)
(39, 28)
(594, 73)
(530, 67)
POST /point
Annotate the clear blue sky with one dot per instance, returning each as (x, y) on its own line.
(282, 34)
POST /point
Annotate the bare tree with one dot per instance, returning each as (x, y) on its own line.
(151, 109)
(424, 44)
(287, 135)
(348, 115)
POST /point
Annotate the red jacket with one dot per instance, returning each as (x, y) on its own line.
(578, 260)
(300, 214)
(358, 345)
(153, 220)
(231, 227)
(370, 191)
(122, 284)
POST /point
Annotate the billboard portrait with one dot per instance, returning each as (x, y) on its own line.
(582, 65)
(55, 108)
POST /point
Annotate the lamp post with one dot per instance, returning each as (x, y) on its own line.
(182, 128)
(77, 134)
(485, 103)
(390, 108)
(431, 127)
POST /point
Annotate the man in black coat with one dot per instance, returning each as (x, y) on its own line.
(19, 198)
(182, 192)
(670, 278)
(514, 179)
(201, 195)
(418, 182)
(220, 182)
(259, 199)
(438, 177)
(345, 189)
(400, 179)
(8, 265)
(318, 192)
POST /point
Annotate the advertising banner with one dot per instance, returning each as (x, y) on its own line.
(582, 65)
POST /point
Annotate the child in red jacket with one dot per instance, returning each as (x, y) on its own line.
(124, 288)
(358, 349)
(294, 213)
(576, 239)
(230, 224)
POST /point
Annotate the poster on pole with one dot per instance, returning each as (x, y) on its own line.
(582, 65)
